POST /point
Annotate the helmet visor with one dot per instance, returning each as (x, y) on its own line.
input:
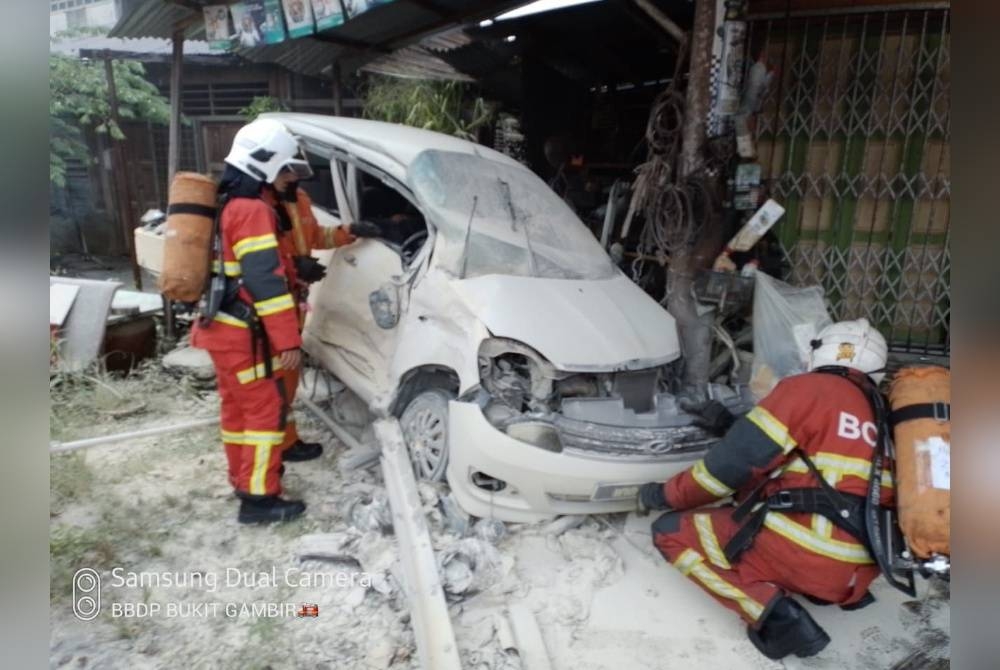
(299, 167)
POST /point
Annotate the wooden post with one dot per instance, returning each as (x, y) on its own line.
(120, 175)
(176, 66)
(338, 107)
(174, 152)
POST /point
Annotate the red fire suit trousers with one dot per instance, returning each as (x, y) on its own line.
(693, 542)
(253, 421)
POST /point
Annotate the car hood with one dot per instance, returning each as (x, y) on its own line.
(578, 325)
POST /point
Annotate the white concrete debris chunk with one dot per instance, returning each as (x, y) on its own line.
(194, 361)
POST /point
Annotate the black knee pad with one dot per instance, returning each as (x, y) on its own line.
(667, 524)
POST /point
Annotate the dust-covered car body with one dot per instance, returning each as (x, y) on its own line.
(524, 366)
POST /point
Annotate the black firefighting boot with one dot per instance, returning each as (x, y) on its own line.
(302, 451)
(268, 509)
(788, 629)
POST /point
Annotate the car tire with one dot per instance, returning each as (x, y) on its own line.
(424, 423)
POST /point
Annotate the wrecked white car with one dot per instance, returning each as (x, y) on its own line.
(522, 364)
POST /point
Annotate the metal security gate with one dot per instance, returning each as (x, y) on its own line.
(854, 141)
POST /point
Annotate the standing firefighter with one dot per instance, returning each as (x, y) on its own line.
(250, 323)
(798, 465)
(298, 234)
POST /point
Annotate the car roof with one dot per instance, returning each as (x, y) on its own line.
(390, 146)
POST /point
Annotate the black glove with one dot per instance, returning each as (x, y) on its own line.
(309, 269)
(650, 497)
(711, 415)
(366, 229)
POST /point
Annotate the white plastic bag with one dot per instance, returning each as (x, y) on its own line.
(785, 319)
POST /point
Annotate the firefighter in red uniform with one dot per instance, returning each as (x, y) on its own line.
(298, 234)
(790, 533)
(255, 332)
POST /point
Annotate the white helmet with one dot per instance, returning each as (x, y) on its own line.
(263, 148)
(852, 344)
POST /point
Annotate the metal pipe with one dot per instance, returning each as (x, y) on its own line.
(335, 428)
(661, 19)
(173, 143)
(58, 447)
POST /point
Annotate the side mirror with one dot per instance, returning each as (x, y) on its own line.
(384, 304)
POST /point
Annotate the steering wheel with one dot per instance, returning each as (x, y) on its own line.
(411, 245)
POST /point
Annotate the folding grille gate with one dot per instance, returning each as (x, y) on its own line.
(854, 141)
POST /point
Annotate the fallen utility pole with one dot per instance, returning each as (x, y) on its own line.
(432, 628)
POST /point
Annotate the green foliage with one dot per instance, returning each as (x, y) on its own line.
(261, 104)
(79, 100)
(446, 107)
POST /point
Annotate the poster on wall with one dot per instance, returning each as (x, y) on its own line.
(273, 28)
(328, 13)
(248, 17)
(217, 30)
(354, 7)
(298, 17)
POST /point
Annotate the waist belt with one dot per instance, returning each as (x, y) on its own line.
(243, 311)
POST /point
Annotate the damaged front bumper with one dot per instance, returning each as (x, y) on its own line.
(597, 468)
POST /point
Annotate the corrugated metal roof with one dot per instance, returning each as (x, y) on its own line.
(359, 40)
(415, 63)
(153, 46)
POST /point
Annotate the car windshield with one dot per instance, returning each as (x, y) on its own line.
(495, 218)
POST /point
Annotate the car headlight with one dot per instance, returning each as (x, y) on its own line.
(515, 374)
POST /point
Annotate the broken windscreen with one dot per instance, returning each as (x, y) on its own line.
(495, 218)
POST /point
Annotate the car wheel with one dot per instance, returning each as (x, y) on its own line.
(424, 423)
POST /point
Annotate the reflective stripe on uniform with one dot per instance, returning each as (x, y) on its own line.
(222, 317)
(274, 305)
(257, 372)
(232, 436)
(847, 552)
(773, 428)
(263, 437)
(256, 243)
(842, 466)
(709, 541)
(258, 477)
(232, 268)
(692, 564)
(708, 482)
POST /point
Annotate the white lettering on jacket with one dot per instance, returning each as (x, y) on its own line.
(851, 428)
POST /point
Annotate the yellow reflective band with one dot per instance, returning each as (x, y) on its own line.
(222, 317)
(263, 437)
(261, 456)
(232, 437)
(257, 372)
(232, 268)
(687, 560)
(841, 466)
(724, 589)
(709, 541)
(773, 428)
(257, 243)
(847, 552)
(705, 479)
(274, 305)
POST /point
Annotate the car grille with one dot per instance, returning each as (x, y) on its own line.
(668, 443)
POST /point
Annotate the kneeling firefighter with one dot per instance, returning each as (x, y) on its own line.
(801, 466)
(249, 321)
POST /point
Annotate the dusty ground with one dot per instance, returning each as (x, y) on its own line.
(600, 596)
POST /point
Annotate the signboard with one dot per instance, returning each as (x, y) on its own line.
(217, 30)
(328, 13)
(354, 7)
(298, 17)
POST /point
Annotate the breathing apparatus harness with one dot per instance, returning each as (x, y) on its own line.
(862, 517)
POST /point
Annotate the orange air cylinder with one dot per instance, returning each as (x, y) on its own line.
(923, 461)
(187, 245)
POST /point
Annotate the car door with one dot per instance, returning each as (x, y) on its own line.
(347, 327)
